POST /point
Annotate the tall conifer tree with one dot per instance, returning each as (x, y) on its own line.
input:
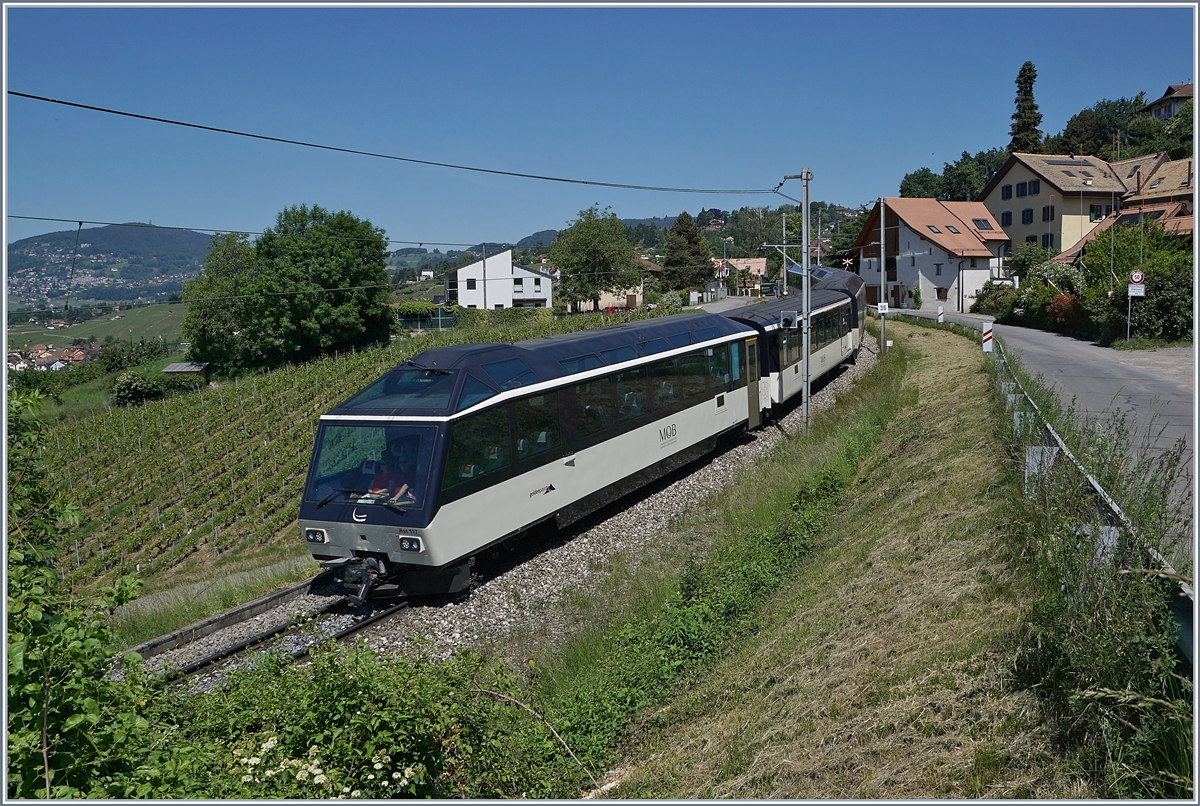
(688, 262)
(1026, 137)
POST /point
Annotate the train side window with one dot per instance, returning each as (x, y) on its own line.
(735, 354)
(631, 394)
(664, 382)
(693, 374)
(511, 373)
(478, 445)
(537, 425)
(593, 406)
(718, 367)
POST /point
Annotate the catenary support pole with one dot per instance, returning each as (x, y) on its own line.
(806, 180)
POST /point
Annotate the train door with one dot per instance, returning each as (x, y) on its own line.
(752, 382)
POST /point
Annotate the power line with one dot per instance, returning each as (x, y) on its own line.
(415, 161)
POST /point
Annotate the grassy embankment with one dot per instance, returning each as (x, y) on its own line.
(881, 669)
(929, 649)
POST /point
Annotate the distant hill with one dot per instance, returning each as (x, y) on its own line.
(118, 262)
(544, 237)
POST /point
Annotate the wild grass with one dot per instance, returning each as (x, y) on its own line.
(1101, 647)
(158, 614)
(1142, 343)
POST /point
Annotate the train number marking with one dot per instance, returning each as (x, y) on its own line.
(359, 518)
(549, 488)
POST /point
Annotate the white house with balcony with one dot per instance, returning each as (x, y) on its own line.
(495, 282)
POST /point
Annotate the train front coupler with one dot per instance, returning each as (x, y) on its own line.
(358, 575)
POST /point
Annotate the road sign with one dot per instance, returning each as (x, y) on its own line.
(883, 308)
(1136, 277)
(1137, 289)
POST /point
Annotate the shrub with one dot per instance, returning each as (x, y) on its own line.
(1067, 313)
(416, 308)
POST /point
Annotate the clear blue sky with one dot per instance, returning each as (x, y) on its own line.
(701, 98)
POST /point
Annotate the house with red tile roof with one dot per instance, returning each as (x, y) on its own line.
(944, 250)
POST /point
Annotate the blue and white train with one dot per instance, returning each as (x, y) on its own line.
(461, 448)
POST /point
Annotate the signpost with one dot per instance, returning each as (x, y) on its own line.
(1136, 289)
(883, 309)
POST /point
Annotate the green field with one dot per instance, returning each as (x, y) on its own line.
(149, 322)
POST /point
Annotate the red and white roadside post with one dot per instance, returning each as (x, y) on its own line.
(987, 337)
(941, 315)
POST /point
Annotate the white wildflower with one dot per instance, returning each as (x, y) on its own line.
(319, 779)
(355, 794)
(247, 778)
(396, 775)
(253, 761)
(379, 765)
(300, 776)
(371, 777)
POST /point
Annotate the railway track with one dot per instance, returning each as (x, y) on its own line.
(293, 620)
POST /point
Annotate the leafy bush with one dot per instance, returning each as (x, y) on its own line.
(132, 388)
(1066, 312)
(416, 308)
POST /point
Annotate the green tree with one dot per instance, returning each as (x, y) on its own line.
(921, 184)
(1026, 137)
(314, 283)
(688, 262)
(594, 255)
(216, 306)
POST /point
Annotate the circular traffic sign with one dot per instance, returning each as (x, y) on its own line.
(1136, 277)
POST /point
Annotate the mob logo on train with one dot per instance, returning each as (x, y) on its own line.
(667, 435)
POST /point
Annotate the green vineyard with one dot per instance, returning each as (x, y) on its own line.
(218, 470)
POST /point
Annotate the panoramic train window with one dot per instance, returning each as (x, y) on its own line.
(370, 463)
(654, 346)
(511, 373)
(581, 363)
(473, 391)
(736, 354)
(664, 378)
(478, 445)
(593, 406)
(537, 424)
(631, 393)
(406, 388)
(620, 354)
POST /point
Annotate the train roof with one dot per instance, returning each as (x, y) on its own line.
(500, 367)
(770, 312)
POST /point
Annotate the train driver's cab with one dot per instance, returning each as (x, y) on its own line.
(372, 464)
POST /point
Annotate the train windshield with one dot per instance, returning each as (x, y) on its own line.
(367, 464)
(407, 388)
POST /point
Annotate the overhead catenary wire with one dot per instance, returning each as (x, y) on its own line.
(359, 152)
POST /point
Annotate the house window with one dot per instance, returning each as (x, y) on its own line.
(1027, 215)
(1035, 187)
(943, 293)
(470, 283)
(537, 283)
(1030, 239)
(1006, 192)
(1095, 212)
(472, 306)
(981, 223)
(937, 269)
(518, 284)
(1006, 218)
(932, 228)
(952, 229)
(1022, 189)
(913, 259)
(1048, 212)
(1047, 240)
(1088, 174)
(972, 263)
(499, 306)
(1068, 173)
